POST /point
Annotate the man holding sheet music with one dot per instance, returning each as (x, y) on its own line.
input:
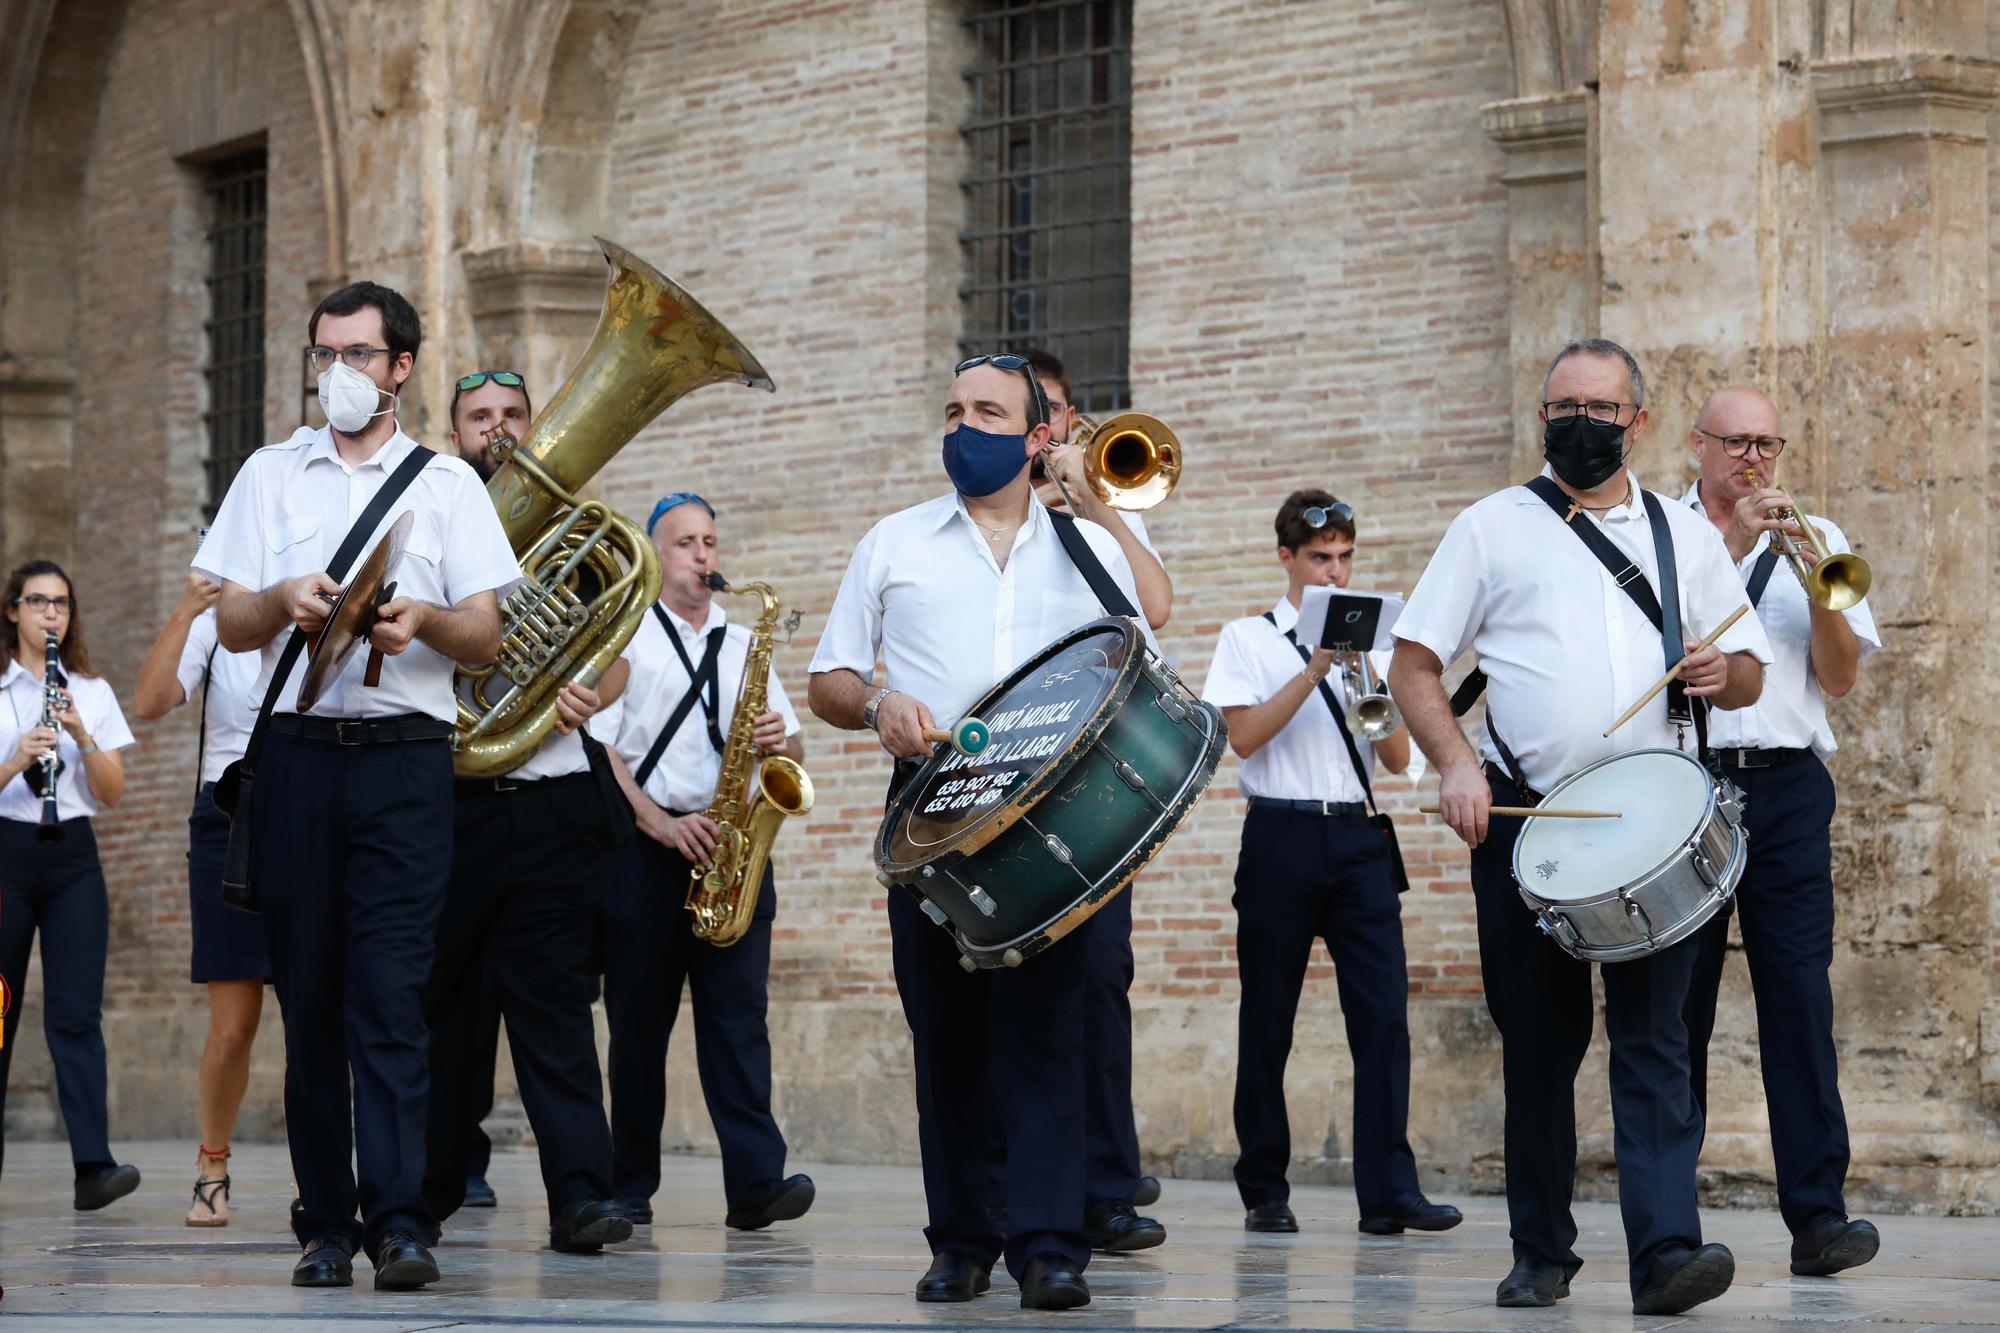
(1314, 865)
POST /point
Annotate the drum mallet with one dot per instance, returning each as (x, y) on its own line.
(1675, 673)
(1534, 812)
(968, 736)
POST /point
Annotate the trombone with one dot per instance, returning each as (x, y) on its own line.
(1833, 581)
(1132, 461)
(1375, 715)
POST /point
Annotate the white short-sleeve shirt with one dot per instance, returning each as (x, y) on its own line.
(688, 769)
(1564, 649)
(95, 702)
(1307, 760)
(285, 516)
(924, 593)
(1791, 713)
(230, 708)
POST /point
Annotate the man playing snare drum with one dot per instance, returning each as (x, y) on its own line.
(952, 594)
(1524, 579)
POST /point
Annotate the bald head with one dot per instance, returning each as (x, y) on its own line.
(1725, 414)
(1738, 410)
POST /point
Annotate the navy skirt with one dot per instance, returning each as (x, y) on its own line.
(228, 943)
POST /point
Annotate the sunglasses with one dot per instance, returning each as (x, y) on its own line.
(1318, 516)
(674, 501)
(1021, 366)
(509, 379)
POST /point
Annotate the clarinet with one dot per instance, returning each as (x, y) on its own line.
(50, 765)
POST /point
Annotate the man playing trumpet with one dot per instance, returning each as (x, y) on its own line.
(1774, 750)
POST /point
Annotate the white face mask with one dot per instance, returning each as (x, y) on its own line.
(349, 398)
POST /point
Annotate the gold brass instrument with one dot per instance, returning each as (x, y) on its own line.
(723, 897)
(590, 573)
(1374, 714)
(1833, 581)
(1132, 460)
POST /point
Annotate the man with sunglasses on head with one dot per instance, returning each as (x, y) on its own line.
(350, 832)
(520, 922)
(1775, 750)
(1314, 866)
(1564, 643)
(687, 665)
(952, 594)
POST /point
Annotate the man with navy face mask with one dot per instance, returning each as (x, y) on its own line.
(952, 594)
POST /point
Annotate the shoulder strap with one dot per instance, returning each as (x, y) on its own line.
(1760, 573)
(336, 569)
(697, 678)
(701, 677)
(1339, 718)
(1102, 586)
(201, 735)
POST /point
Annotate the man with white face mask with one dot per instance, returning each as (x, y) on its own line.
(350, 834)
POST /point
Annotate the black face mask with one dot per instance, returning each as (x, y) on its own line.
(1584, 453)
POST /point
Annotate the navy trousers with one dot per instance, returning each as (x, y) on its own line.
(1111, 1135)
(482, 1054)
(1785, 904)
(1540, 1000)
(57, 888)
(351, 850)
(521, 915)
(1302, 878)
(650, 952)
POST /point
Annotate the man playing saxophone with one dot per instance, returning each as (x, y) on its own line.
(688, 667)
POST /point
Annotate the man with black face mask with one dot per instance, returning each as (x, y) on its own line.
(952, 594)
(1563, 647)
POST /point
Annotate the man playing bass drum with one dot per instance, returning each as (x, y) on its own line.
(1565, 645)
(952, 594)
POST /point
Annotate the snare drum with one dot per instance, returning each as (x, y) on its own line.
(1097, 754)
(1607, 890)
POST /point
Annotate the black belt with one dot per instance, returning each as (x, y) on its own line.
(1759, 757)
(1329, 809)
(508, 782)
(362, 730)
(1495, 773)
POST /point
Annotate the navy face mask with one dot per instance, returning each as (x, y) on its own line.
(979, 463)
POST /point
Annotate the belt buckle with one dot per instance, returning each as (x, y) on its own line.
(350, 731)
(503, 784)
(1326, 810)
(1748, 757)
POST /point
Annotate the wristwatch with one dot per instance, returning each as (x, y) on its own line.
(874, 706)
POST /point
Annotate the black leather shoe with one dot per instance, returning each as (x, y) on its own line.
(403, 1264)
(479, 1194)
(771, 1201)
(1419, 1214)
(1271, 1217)
(953, 1276)
(639, 1212)
(1051, 1284)
(587, 1227)
(1116, 1229)
(326, 1263)
(105, 1186)
(1147, 1192)
(1833, 1243)
(1533, 1282)
(1682, 1279)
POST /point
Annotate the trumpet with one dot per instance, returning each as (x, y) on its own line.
(1375, 715)
(1132, 461)
(1833, 581)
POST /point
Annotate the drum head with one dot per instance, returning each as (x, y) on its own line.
(1663, 795)
(1050, 708)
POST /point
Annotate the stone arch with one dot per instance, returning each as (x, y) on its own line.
(1554, 44)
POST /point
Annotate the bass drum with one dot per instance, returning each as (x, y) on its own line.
(1097, 754)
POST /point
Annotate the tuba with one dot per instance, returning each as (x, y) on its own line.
(723, 897)
(589, 573)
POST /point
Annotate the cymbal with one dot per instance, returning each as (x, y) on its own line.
(353, 615)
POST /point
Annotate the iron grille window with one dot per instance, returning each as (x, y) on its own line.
(235, 370)
(1047, 242)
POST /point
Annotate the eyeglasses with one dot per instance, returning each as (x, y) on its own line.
(1318, 516)
(1021, 366)
(39, 603)
(1739, 446)
(674, 501)
(1601, 412)
(508, 379)
(356, 357)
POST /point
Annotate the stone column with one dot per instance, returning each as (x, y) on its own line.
(534, 305)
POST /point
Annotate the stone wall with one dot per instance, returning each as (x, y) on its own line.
(1358, 231)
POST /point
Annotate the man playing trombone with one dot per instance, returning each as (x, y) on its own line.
(1313, 865)
(1774, 750)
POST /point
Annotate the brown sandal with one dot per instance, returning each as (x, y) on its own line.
(212, 1195)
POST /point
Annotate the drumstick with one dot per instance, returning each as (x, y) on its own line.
(1674, 674)
(1535, 812)
(968, 735)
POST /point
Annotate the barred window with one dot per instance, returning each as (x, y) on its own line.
(234, 187)
(1047, 241)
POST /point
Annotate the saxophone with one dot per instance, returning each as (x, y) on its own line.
(723, 897)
